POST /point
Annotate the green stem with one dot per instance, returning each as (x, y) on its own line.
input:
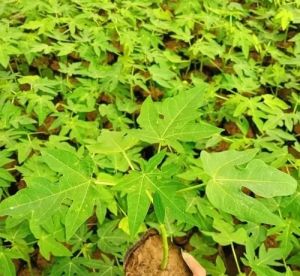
(164, 236)
(221, 97)
(159, 148)
(235, 259)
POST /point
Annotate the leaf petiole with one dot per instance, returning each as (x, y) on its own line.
(164, 236)
(235, 259)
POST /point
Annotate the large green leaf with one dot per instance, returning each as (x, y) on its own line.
(38, 202)
(41, 200)
(142, 186)
(175, 119)
(228, 176)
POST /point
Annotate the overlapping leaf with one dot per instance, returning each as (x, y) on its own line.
(62, 79)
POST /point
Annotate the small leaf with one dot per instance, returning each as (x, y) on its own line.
(285, 16)
(114, 144)
(48, 245)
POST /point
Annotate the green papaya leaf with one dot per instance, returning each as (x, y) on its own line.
(228, 177)
(45, 198)
(114, 144)
(142, 186)
(174, 120)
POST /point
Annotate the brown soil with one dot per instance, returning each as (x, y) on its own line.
(54, 65)
(26, 272)
(271, 242)
(104, 99)
(223, 145)
(174, 45)
(156, 93)
(40, 62)
(294, 152)
(297, 128)
(231, 128)
(41, 262)
(144, 259)
(91, 116)
(25, 87)
(46, 126)
(21, 184)
(74, 56)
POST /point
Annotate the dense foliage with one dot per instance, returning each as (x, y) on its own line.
(117, 116)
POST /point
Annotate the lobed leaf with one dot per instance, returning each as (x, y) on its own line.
(228, 177)
(174, 120)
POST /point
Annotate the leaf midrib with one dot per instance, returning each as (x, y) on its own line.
(47, 197)
(174, 118)
(247, 180)
(139, 198)
(65, 165)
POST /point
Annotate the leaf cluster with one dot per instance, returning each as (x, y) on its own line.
(118, 116)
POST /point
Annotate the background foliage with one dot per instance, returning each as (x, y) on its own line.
(116, 116)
